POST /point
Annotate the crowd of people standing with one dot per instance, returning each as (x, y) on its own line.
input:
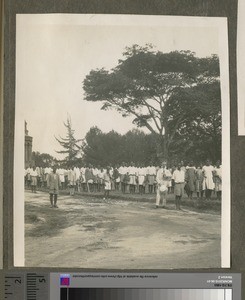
(202, 179)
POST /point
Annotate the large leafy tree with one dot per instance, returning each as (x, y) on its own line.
(43, 159)
(101, 149)
(112, 148)
(143, 84)
(70, 145)
(194, 117)
(139, 147)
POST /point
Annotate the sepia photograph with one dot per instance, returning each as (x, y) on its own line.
(122, 142)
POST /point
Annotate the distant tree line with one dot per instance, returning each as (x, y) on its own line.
(43, 159)
(136, 146)
(102, 149)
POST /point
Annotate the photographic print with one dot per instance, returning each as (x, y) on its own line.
(121, 142)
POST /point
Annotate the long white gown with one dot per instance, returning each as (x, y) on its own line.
(208, 182)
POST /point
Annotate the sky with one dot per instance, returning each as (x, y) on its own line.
(55, 53)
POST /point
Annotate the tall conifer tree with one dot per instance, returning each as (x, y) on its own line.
(70, 145)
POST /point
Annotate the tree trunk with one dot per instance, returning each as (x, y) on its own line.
(165, 149)
(162, 148)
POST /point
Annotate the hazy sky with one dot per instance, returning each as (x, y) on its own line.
(54, 54)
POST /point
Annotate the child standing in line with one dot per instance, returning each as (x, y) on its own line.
(34, 175)
(199, 181)
(179, 185)
(217, 175)
(107, 182)
(53, 183)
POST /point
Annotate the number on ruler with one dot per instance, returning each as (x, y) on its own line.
(17, 281)
(13, 287)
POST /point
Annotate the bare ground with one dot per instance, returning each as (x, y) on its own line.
(89, 232)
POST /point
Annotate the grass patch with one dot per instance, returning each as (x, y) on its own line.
(55, 220)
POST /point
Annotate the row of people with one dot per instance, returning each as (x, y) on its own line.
(131, 179)
(187, 179)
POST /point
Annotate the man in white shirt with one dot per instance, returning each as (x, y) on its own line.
(123, 170)
(101, 179)
(95, 172)
(132, 178)
(162, 178)
(34, 175)
(179, 185)
(151, 172)
(47, 171)
(61, 173)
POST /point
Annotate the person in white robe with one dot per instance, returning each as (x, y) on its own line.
(142, 172)
(208, 182)
(123, 171)
(34, 175)
(162, 178)
(132, 170)
(151, 177)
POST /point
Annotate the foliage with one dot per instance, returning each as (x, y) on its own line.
(70, 145)
(42, 159)
(197, 112)
(112, 148)
(145, 83)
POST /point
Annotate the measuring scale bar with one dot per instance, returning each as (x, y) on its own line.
(145, 294)
(14, 286)
(26, 286)
(121, 286)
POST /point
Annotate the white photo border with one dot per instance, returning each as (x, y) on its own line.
(127, 20)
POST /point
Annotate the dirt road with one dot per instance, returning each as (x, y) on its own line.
(88, 232)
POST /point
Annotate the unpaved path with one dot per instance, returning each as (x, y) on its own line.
(87, 232)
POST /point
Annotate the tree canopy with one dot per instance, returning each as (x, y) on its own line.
(43, 159)
(165, 92)
(112, 148)
(103, 149)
